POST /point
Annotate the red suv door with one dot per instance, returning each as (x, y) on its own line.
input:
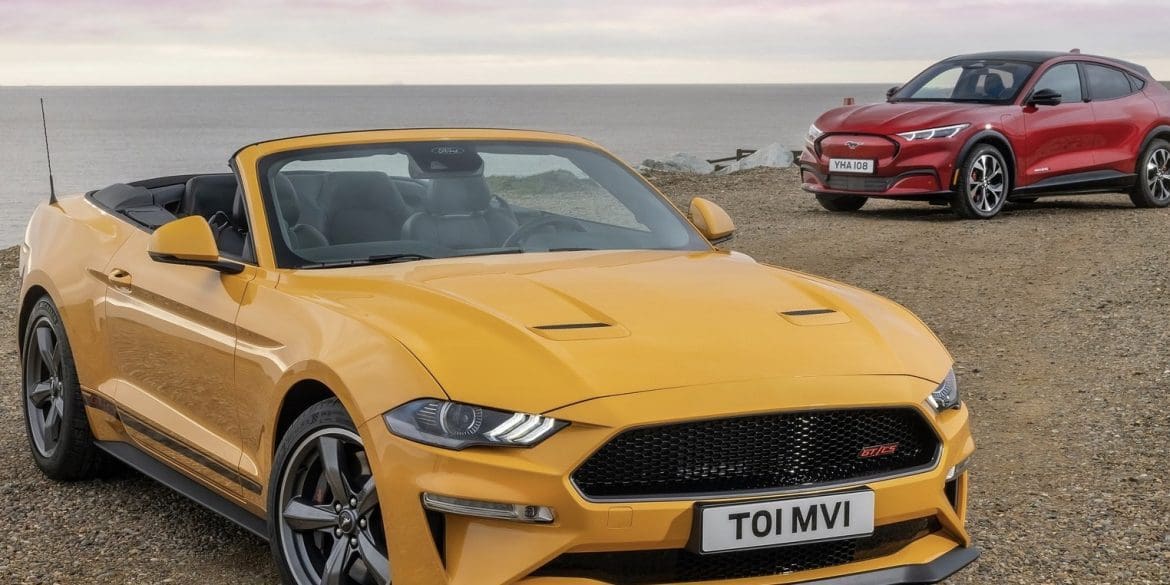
(1059, 140)
(1122, 112)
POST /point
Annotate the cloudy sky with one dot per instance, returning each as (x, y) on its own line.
(145, 42)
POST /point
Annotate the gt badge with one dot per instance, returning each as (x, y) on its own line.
(878, 451)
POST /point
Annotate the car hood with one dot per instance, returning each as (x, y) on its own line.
(535, 332)
(900, 117)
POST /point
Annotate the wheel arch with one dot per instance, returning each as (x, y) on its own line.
(27, 302)
(1162, 131)
(302, 395)
(992, 138)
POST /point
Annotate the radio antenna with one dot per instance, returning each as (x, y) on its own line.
(48, 157)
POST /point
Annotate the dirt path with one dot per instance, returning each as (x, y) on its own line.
(1058, 314)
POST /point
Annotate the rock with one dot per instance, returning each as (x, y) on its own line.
(773, 155)
(680, 162)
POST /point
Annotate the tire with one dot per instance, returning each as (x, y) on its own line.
(1153, 176)
(320, 521)
(984, 184)
(54, 415)
(841, 203)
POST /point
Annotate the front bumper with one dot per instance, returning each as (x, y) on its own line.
(914, 170)
(432, 548)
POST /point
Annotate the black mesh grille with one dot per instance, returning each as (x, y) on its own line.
(678, 565)
(867, 184)
(756, 453)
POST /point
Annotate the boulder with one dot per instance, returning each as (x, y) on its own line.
(678, 163)
(773, 155)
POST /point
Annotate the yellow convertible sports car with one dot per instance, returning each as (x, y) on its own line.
(481, 357)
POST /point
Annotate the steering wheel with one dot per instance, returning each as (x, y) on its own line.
(523, 232)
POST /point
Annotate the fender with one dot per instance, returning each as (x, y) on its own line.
(981, 136)
(1157, 131)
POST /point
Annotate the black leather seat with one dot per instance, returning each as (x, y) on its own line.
(300, 235)
(361, 206)
(218, 199)
(458, 214)
(206, 195)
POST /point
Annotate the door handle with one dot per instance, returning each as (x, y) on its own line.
(121, 279)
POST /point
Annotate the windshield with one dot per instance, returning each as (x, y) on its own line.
(344, 206)
(971, 80)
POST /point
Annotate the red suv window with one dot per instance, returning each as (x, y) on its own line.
(1064, 79)
(1106, 83)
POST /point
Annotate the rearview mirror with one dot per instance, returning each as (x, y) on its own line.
(1045, 97)
(189, 241)
(893, 90)
(712, 221)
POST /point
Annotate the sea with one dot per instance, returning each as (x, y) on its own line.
(104, 135)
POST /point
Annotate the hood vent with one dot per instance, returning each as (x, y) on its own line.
(579, 331)
(814, 317)
(562, 326)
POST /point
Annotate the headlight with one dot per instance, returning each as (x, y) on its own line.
(946, 395)
(453, 425)
(931, 133)
(813, 133)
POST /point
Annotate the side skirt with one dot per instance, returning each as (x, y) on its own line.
(1078, 184)
(162, 473)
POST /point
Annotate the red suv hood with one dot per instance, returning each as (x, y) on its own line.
(901, 117)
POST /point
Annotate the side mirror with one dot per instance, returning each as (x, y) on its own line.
(189, 241)
(712, 221)
(893, 90)
(1045, 97)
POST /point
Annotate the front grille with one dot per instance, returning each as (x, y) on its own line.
(758, 453)
(864, 184)
(679, 565)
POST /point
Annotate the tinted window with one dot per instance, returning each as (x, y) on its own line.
(400, 201)
(1106, 83)
(1138, 84)
(968, 80)
(1063, 79)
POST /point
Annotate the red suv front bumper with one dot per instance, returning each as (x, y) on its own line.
(922, 169)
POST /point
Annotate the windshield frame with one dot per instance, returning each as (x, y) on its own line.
(918, 81)
(285, 258)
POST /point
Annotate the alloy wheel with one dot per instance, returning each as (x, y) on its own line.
(331, 530)
(1158, 174)
(44, 389)
(986, 184)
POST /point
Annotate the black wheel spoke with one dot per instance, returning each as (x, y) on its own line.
(375, 560)
(40, 393)
(47, 348)
(52, 429)
(304, 517)
(337, 565)
(331, 467)
(367, 498)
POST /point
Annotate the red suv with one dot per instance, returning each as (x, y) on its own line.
(974, 131)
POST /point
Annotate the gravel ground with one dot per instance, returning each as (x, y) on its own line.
(1057, 314)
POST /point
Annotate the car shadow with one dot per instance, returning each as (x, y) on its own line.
(923, 212)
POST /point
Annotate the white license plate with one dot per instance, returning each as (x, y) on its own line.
(851, 165)
(769, 523)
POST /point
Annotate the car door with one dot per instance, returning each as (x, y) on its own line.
(172, 332)
(1122, 114)
(1059, 140)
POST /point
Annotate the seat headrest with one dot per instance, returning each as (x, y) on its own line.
(239, 210)
(206, 194)
(369, 190)
(993, 85)
(457, 195)
(287, 199)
